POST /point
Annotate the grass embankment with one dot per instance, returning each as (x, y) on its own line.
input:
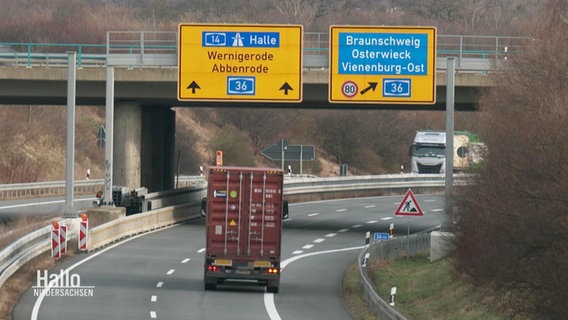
(425, 290)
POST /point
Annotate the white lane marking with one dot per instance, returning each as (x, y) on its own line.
(154, 298)
(169, 273)
(308, 246)
(269, 297)
(340, 210)
(437, 210)
(320, 240)
(37, 304)
(185, 260)
(330, 235)
(313, 214)
(343, 230)
(355, 226)
(297, 252)
(371, 221)
(369, 206)
(159, 284)
(387, 218)
(153, 314)
(201, 250)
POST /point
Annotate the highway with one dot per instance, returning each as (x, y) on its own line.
(159, 275)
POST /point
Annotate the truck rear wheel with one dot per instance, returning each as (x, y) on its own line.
(272, 286)
(209, 285)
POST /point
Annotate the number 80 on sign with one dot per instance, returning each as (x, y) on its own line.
(349, 89)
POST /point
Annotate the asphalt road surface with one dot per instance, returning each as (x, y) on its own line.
(159, 275)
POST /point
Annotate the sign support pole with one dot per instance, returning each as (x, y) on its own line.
(407, 238)
(450, 96)
(71, 95)
(109, 119)
(301, 157)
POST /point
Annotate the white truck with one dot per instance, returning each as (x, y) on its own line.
(428, 151)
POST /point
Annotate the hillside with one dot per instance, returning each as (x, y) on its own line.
(369, 142)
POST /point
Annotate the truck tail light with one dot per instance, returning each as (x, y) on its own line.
(272, 270)
(213, 268)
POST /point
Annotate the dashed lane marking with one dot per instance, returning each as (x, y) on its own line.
(320, 240)
(153, 298)
(185, 260)
(308, 246)
(169, 273)
(330, 235)
(313, 214)
(159, 284)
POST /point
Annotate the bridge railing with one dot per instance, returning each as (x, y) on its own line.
(160, 49)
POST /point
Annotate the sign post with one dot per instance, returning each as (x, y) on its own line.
(240, 62)
(281, 151)
(388, 65)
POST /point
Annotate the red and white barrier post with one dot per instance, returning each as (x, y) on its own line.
(63, 239)
(83, 228)
(55, 241)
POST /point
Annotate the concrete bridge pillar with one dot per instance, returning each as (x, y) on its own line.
(144, 147)
(127, 145)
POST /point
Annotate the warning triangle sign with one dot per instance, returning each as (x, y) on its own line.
(409, 206)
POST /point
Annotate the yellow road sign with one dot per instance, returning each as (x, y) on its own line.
(394, 65)
(240, 62)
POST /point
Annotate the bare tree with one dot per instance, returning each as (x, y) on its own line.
(511, 230)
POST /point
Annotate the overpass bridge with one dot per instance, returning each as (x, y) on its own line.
(146, 71)
(144, 68)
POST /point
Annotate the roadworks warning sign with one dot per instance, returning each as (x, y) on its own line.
(409, 206)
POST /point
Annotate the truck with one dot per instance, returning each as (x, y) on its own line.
(244, 211)
(428, 151)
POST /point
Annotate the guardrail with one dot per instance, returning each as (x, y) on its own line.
(391, 249)
(389, 182)
(21, 251)
(160, 49)
(30, 246)
(57, 188)
(47, 189)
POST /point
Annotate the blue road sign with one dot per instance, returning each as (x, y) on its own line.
(241, 85)
(396, 87)
(245, 39)
(381, 236)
